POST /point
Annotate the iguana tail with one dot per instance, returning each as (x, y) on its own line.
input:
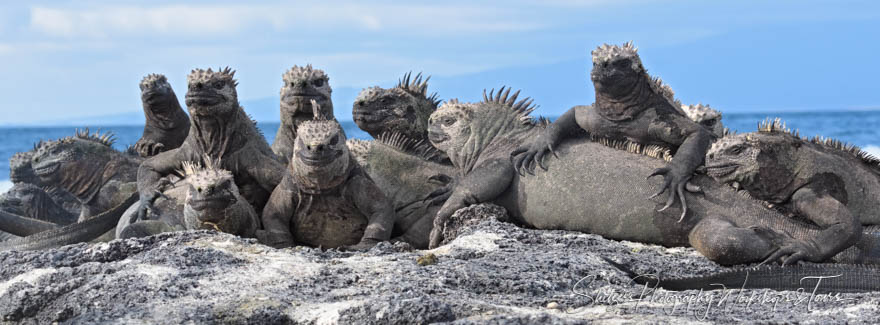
(818, 278)
(23, 226)
(73, 233)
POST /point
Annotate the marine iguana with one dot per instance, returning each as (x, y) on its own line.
(407, 172)
(723, 225)
(24, 199)
(630, 105)
(206, 198)
(166, 123)
(301, 85)
(86, 166)
(705, 116)
(325, 199)
(834, 185)
(403, 109)
(222, 131)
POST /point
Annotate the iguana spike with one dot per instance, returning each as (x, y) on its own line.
(316, 111)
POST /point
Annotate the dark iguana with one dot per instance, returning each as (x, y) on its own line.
(166, 123)
(607, 200)
(222, 131)
(405, 169)
(86, 166)
(630, 105)
(326, 199)
(25, 200)
(301, 86)
(206, 198)
(834, 185)
(403, 109)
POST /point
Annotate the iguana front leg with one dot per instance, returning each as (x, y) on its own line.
(840, 228)
(693, 141)
(277, 216)
(150, 174)
(371, 202)
(482, 184)
(530, 154)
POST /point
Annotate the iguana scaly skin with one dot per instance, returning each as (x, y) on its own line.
(301, 86)
(86, 166)
(405, 169)
(834, 185)
(403, 109)
(24, 198)
(222, 131)
(630, 105)
(706, 116)
(607, 200)
(166, 123)
(325, 199)
(206, 198)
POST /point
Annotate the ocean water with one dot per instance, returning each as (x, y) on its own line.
(861, 128)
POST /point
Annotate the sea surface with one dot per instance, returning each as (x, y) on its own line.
(861, 128)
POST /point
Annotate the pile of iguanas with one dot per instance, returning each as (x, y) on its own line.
(764, 197)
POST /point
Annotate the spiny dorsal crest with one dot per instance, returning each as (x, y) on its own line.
(417, 86)
(210, 170)
(665, 91)
(319, 126)
(778, 126)
(411, 146)
(522, 108)
(359, 149)
(204, 76)
(107, 139)
(606, 52)
(297, 73)
(153, 80)
(652, 151)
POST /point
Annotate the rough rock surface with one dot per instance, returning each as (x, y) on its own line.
(493, 273)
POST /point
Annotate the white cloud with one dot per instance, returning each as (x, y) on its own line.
(220, 20)
(873, 150)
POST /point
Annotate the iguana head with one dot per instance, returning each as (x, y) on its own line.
(753, 160)
(301, 86)
(210, 190)
(464, 130)
(54, 159)
(618, 72)
(20, 170)
(705, 116)
(211, 93)
(159, 101)
(616, 69)
(403, 109)
(321, 159)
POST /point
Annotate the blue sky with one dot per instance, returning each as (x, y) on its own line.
(74, 61)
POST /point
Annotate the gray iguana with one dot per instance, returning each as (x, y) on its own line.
(222, 131)
(403, 109)
(707, 117)
(54, 204)
(325, 199)
(408, 172)
(607, 199)
(206, 198)
(834, 185)
(301, 86)
(166, 123)
(630, 105)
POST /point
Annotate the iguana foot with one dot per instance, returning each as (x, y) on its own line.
(527, 156)
(677, 183)
(363, 246)
(148, 148)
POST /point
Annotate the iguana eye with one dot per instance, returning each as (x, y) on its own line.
(218, 85)
(334, 140)
(318, 82)
(448, 121)
(709, 123)
(621, 63)
(736, 150)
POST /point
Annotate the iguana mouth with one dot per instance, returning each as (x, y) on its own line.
(717, 171)
(46, 169)
(360, 116)
(215, 202)
(319, 159)
(203, 99)
(436, 137)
